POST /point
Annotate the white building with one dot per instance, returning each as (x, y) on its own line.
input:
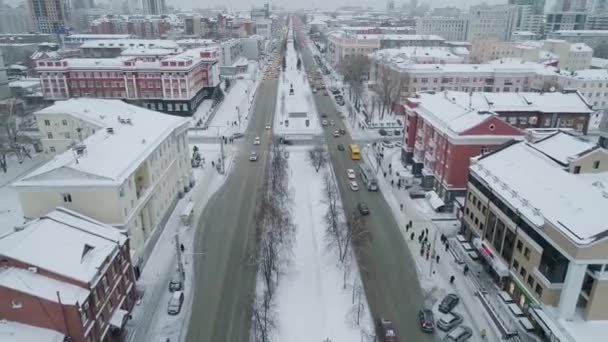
(263, 27)
(230, 51)
(572, 56)
(593, 38)
(497, 21)
(450, 28)
(421, 55)
(253, 47)
(117, 163)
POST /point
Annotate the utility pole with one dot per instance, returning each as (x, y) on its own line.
(433, 249)
(222, 155)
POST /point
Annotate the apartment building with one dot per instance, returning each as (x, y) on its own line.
(497, 21)
(146, 27)
(540, 230)
(231, 50)
(442, 134)
(593, 38)
(154, 6)
(115, 48)
(174, 84)
(418, 55)
(341, 45)
(450, 28)
(556, 21)
(49, 16)
(603, 128)
(378, 29)
(573, 153)
(76, 40)
(69, 274)
(117, 163)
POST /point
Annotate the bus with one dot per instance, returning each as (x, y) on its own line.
(368, 176)
(355, 153)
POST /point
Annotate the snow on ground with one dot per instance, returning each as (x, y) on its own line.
(301, 100)
(150, 321)
(201, 114)
(10, 208)
(433, 276)
(232, 111)
(312, 304)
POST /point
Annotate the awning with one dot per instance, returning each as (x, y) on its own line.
(491, 257)
(118, 318)
(434, 200)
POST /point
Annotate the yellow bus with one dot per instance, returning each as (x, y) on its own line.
(355, 153)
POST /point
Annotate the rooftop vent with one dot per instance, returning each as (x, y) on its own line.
(110, 130)
(129, 122)
(19, 228)
(79, 149)
(605, 194)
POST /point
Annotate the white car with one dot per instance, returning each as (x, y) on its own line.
(336, 134)
(268, 126)
(350, 173)
(253, 156)
(256, 141)
(353, 186)
(324, 122)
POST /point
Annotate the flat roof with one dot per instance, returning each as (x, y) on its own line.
(542, 191)
(109, 158)
(11, 331)
(64, 242)
(563, 147)
(99, 36)
(131, 43)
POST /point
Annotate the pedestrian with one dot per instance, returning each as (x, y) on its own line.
(390, 166)
(412, 236)
(437, 258)
(407, 228)
(426, 239)
(181, 247)
(392, 182)
(452, 279)
(466, 269)
(410, 223)
(447, 246)
(422, 251)
(427, 255)
(401, 206)
(419, 238)
(443, 238)
(212, 164)
(427, 231)
(385, 174)
(483, 333)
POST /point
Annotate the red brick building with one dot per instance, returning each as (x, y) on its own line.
(68, 273)
(174, 84)
(441, 136)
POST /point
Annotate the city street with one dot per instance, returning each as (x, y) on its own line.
(387, 267)
(224, 242)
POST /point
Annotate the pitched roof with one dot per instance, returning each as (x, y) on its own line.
(563, 147)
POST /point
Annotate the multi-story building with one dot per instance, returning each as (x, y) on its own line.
(68, 273)
(556, 21)
(565, 55)
(603, 129)
(450, 28)
(341, 45)
(174, 84)
(441, 135)
(133, 160)
(147, 27)
(231, 51)
(263, 27)
(407, 55)
(538, 6)
(193, 25)
(75, 40)
(593, 38)
(15, 20)
(114, 48)
(497, 21)
(49, 16)
(253, 47)
(541, 232)
(377, 29)
(154, 6)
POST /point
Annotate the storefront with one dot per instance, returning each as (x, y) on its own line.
(498, 269)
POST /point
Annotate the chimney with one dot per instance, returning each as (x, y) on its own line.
(110, 130)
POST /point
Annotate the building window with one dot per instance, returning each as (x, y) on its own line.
(16, 304)
(515, 264)
(67, 135)
(530, 281)
(64, 122)
(52, 149)
(520, 245)
(47, 122)
(523, 273)
(538, 290)
(596, 164)
(67, 198)
(577, 169)
(527, 253)
(49, 135)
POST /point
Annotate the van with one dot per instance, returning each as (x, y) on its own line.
(175, 303)
(175, 284)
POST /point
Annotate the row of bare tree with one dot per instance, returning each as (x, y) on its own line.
(11, 140)
(275, 233)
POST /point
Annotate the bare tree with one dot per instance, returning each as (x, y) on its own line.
(11, 141)
(356, 232)
(388, 87)
(333, 224)
(264, 317)
(355, 68)
(317, 157)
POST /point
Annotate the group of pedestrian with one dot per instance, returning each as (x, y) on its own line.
(233, 123)
(228, 140)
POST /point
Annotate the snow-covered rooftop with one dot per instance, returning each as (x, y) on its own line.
(541, 191)
(580, 33)
(25, 83)
(580, 47)
(37, 285)
(11, 331)
(65, 243)
(415, 54)
(421, 37)
(587, 74)
(146, 52)
(98, 36)
(505, 66)
(131, 43)
(109, 158)
(562, 147)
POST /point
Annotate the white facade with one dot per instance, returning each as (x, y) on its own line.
(593, 38)
(263, 27)
(253, 47)
(450, 28)
(497, 21)
(231, 50)
(126, 167)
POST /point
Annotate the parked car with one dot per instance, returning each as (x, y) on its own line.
(340, 147)
(363, 208)
(175, 284)
(323, 115)
(448, 303)
(350, 173)
(387, 144)
(354, 186)
(427, 323)
(268, 125)
(332, 122)
(253, 156)
(382, 132)
(237, 135)
(448, 321)
(342, 131)
(257, 141)
(336, 134)
(385, 331)
(460, 334)
(397, 132)
(175, 303)
(324, 122)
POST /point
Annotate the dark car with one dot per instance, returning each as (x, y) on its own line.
(382, 132)
(363, 208)
(385, 331)
(449, 302)
(342, 131)
(323, 115)
(340, 147)
(397, 132)
(427, 323)
(448, 321)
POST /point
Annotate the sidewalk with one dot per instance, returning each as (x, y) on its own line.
(434, 277)
(150, 321)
